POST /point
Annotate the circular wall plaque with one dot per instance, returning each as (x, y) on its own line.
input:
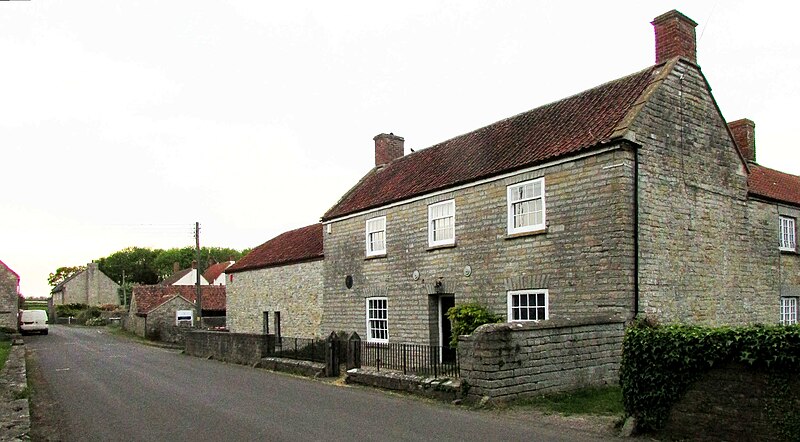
(467, 270)
(348, 281)
(415, 275)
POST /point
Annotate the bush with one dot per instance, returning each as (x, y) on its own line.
(89, 313)
(73, 309)
(95, 321)
(659, 363)
(465, 318)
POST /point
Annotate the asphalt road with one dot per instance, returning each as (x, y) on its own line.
(111, 388)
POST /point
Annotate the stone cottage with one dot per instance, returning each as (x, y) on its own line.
(9, 297)
(277, 288)
(165, 312)
(90, 287)
(631, 198)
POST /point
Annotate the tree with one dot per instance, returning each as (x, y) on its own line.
(62, 274)
(136, 262)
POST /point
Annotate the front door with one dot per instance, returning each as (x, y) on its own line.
(445, 328)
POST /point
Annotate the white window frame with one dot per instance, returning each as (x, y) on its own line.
(432, 242)
(377, 314)
(183, 314)
(788, 234)
(788, 310)
(519, 294)
(370, 246)
(512, 199)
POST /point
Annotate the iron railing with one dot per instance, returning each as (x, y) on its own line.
(416, 359)
(300, 348)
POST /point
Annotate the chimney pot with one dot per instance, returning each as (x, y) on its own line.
(675, 37)
(744, 134)
(388, 147)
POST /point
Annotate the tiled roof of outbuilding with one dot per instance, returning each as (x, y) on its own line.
(213, 271)
(774, 185)
(294, 246)
(149, 297)
(564, 127)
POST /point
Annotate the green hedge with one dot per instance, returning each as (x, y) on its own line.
(659, 363)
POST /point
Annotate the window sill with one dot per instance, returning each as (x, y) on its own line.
(367, 258)
(789, 251)
(440, 246)
(524, 234)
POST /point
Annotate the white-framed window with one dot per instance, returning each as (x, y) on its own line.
(377, 320)
(788, 310)
(376, 236)
(442, 223)
(528, 305)
(526, 211)
(788, 234)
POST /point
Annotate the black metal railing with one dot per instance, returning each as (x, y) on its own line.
(300, 348)
(416, 359)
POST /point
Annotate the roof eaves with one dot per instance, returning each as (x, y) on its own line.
(276, 264)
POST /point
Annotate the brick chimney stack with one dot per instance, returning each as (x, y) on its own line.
(675, 37)
(744, 134)
(388, 147)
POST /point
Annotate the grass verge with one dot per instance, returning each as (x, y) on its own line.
(605, 401)
(5, 348)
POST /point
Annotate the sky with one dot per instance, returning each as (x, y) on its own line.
(124, 123)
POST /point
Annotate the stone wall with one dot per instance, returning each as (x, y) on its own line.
(789, 261)
(161, 324)
(513, 360)
(238, 348)
(9, 299)
(703, 259)
(294, 290)
(585, 258)
(734, 403)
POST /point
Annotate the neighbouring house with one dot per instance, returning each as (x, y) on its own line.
(90, 286)
(165, 312)
(9, 297)
(215, 273)
(184, 276)
(630, 198)
(277, 288)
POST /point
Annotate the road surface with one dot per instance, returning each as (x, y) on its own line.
(112, 388)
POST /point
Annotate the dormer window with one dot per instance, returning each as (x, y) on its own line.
(526, 210)
(376, 236)
(441, 223)
(788, 234)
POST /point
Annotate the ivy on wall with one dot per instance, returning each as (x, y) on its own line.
(659, 363)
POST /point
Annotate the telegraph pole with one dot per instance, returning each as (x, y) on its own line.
(198, 295)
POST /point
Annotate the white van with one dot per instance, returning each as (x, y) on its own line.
(33, 321)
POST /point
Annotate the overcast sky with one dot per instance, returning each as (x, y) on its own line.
(123, 123)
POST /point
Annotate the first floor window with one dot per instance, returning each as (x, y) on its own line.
(376, 236)
(526, 211)
(527, 305)
(441, 223)
(788, 310)
(377, 320)
(788, 236)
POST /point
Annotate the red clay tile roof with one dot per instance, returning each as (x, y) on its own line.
(294, 246)
(774, 185)
(213, 271)
(175, 277)
(149, 297)
(564, 127)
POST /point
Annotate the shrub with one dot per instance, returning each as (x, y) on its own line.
(465, 318)
(89, 313)
(73, 309)
(95, 321)
(659, 363)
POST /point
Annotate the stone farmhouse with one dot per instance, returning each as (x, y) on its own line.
(9, 297)
(90, 287)
(632, 198)
(277, 288)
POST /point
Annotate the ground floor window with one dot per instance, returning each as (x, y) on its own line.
(528, 305)
(377, 320)
(788, 310)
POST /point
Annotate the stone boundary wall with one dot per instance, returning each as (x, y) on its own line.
(733, 402)
(513, 360)
(15, 418)
(301, 368)
(238, 348)
(440, 389)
